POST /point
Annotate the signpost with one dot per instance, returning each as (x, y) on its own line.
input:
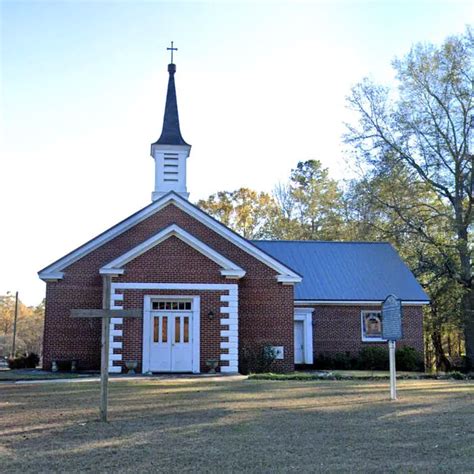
(106, 313)
(392, 332)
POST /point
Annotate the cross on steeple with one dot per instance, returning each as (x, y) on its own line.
(172, 49)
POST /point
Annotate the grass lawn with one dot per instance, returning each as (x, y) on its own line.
(238, 425)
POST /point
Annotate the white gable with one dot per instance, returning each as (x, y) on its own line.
(54, 271)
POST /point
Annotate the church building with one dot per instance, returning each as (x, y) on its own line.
(208, 296)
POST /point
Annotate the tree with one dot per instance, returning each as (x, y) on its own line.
(307, 207)
(7, 308)
(29, 326)
(426, 129)
(380, 207)
(245, 211)
(315, 202)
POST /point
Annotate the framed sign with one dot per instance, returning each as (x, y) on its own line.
(392, 318)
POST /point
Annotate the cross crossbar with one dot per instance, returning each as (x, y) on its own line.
(106, 313)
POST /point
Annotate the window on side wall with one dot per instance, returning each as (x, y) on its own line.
(371, 322)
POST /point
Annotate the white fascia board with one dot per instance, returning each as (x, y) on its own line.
(111, 271)
(173, 231)
(288, 279)
(233, 274)
(185, 206)
(51, 276)
(356, 303)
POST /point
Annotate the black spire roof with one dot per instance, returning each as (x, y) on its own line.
(171, 134)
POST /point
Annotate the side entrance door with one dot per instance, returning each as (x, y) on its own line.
(171, 342)
(299, 342)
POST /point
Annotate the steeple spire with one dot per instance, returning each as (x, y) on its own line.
(171, 133)
(170, 151)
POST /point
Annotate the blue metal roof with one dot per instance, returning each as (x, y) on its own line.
(350, 271)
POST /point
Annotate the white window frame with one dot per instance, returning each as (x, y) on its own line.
(306, 315)
(362, 318)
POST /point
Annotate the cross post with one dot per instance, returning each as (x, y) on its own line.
(105, 347)
(105, 314)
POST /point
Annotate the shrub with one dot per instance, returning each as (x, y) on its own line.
(337, 361)
(25, 361)
(256, 360)
(459, 364)
(323, 362)
(370, 358)
(31, 360)
(373, 358)
(456, 375)
(409, 359)
(342, 361)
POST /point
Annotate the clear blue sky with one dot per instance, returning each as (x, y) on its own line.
(261, 85)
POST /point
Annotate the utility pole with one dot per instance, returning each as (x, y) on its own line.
(14, 325)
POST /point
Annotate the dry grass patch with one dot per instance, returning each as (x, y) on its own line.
(238, 425)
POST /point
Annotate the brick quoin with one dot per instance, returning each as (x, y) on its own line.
(337, 329)
(265, 306)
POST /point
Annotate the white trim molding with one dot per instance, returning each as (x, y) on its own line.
(229, 269)
(306, 315)
(115, 303)
(355, 303)
(181, 203)
(230, 322)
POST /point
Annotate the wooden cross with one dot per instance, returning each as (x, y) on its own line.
(105, 313)
(172, 49)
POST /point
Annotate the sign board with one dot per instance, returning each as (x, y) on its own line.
(392, 318)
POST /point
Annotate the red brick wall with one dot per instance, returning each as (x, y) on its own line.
(265, 306)
(338, 329)
(172, 261)
(67, 338)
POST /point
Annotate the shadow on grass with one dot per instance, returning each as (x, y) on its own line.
(250, 427)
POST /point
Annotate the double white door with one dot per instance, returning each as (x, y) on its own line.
(171, 342)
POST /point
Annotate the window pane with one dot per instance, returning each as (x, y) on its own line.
(168, 305)
(154, 305)
(164, 329)
(156, 324)
(162, 305)
(175, 305)
(373, 324)
(186, 329)
(177, 336)
(188, 305)
(181, 305)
